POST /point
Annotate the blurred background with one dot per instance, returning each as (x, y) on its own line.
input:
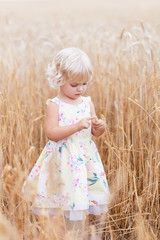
(122, 38)
(93, 9)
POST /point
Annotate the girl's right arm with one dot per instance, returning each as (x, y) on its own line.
(54, 132)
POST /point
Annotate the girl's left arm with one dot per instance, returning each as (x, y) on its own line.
(98, 125)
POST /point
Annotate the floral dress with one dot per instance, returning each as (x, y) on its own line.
(69, 174)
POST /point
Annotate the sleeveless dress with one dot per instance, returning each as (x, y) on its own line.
(69, 174)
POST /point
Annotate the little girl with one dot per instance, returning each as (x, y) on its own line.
(69, 174)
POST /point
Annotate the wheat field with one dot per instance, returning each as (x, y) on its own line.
(124, 46)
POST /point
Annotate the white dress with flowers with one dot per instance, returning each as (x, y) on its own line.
(69, 174)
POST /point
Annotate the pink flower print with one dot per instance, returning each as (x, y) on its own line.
(65, 198)
(39, 196)
(81, 144)
(75, 163)
(72, 157)
(89, 168)
(76, 168)
(78, 133)
(61, 114)
(71, 122)
(85, 190)
(35, 171)
(54, 149)
(62, 196)
(58, 167)
(48, 148)
(102, 175)
(82, 111)
(76, 183)
(76, 120)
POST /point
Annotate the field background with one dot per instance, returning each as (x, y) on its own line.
(122, 38)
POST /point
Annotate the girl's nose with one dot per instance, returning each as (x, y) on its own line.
(80, 88)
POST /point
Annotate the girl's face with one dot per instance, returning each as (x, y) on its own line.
(74, 89)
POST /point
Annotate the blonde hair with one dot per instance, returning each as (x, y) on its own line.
(69, 63)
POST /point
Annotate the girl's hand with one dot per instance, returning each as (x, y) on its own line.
(84, 123)
(98, 127)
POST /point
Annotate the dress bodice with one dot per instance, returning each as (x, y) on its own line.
(72, 113)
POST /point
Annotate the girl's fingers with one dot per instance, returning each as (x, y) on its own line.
(91, 118)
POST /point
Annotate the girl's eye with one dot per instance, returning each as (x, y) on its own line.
(76, 85)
